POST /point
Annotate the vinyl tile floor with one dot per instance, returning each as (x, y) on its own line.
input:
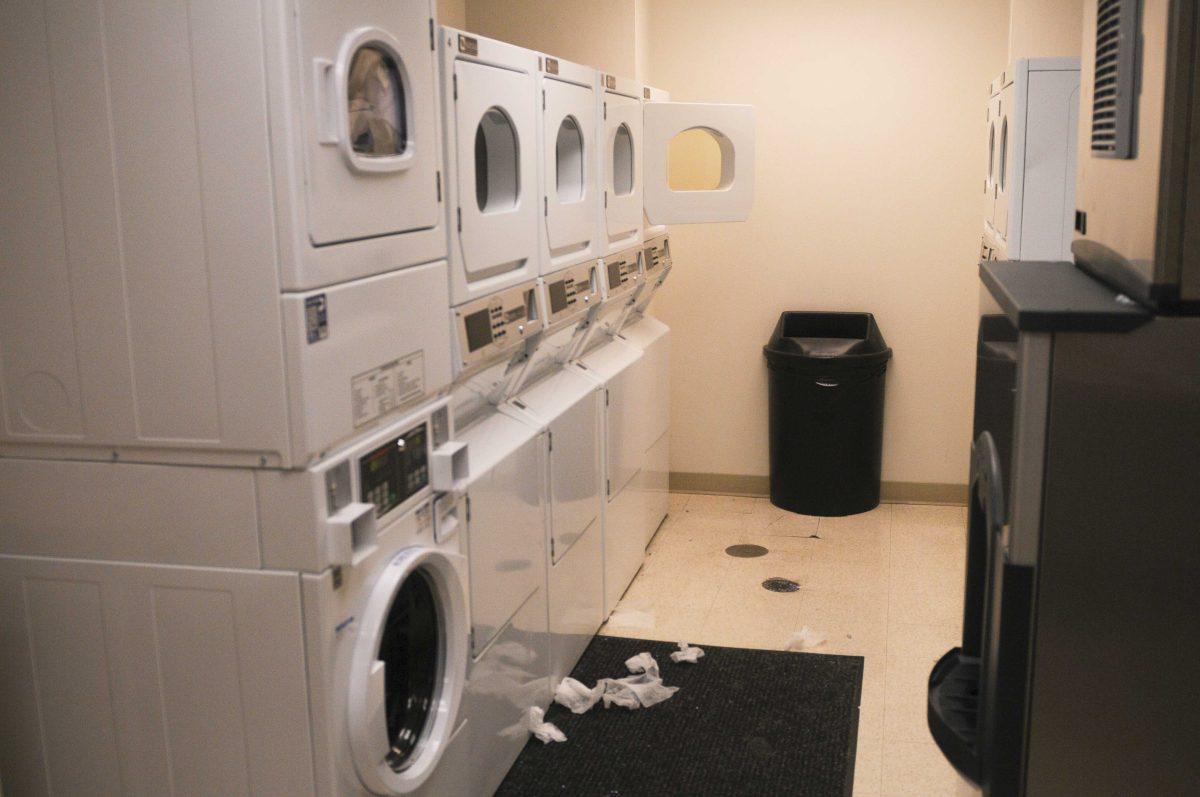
(886, 585)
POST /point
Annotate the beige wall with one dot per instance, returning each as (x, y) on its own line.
(870, 151)
(1044, 28)
(452, 13)
(601, 33)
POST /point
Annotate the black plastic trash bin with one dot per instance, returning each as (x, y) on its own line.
(826, 373)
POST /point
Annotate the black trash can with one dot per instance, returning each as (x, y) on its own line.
(826, 374)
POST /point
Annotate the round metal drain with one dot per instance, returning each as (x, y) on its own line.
(780, 585)
(746, 551)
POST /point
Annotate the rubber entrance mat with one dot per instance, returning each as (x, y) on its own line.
(759, 722)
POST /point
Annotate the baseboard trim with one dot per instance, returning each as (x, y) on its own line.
(759, 487)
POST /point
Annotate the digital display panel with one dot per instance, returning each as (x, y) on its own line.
(479, 329)
(515, 314)
(614, 274)
(558, 296)
(394, 472)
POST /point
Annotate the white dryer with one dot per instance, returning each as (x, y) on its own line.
(569, 407)
(490, 98)
(570, 187)
(335, 680)
(619, 163)
(230, 242)
(1029, 190)
(652, 94)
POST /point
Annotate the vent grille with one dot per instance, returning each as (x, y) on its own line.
(1113, 85)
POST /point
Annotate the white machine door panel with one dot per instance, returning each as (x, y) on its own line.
(574, 473)
(370, 131)
(731, 128)
(505, 539)
(1004, 138)
(993, 140)
(496, 155)
(621, 152)
(187, 680)
(570, 181)
(626, 446)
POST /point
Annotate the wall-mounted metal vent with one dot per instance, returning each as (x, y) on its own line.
(1114, 87)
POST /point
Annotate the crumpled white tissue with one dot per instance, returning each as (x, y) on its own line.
(642, 662)
(687, 653)
(577, 697)
(805, 639)
(644, 689)
(545, 732)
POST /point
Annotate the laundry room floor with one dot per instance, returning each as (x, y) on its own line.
(886, 585)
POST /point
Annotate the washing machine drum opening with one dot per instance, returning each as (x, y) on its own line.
(410, 649)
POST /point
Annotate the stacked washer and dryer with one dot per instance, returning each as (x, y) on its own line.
(333, 419)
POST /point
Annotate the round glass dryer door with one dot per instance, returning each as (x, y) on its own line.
(408, 670)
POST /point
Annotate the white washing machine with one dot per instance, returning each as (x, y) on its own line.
(570, 188)
(490, 98)
(504, 491)
(1029, 190)
(568, 406)
(284, 295)
(245, 676)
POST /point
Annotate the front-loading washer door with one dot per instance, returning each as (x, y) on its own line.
(370, 131)
(622, 158)
(408, 670)
(496, 156)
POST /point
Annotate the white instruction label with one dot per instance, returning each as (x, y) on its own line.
(391, 385)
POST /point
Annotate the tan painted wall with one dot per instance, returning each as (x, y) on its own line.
(601, 33)
(1045, 28)
(870, 150)
(452, 13)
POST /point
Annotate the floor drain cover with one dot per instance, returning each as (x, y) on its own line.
(746, 551)
(780, 585)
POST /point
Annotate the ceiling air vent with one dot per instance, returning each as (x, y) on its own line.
(1114, 85)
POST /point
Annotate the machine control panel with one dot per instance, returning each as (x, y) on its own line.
(393, 472)
(494, 323)
(571, 291)
(623, 273)
(656, 256)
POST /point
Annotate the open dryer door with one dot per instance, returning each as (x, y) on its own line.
(730, 195)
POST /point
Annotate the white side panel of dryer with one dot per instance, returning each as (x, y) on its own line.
(569, 182)
(1041, 226)
(359, 352)
(651, 94)
(138, 278)
(506, 527)
(620, 162)
(733, 128)
(368, 82)
(130, 679)
(492, 135)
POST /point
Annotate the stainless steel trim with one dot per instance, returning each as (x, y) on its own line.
(1029, 446)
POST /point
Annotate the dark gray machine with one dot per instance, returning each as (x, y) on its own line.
(1079, 669)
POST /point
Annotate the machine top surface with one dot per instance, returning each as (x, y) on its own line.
(1058, 297)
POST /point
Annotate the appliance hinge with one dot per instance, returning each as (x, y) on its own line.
(460, 219)
(606, 199)
(606, 397)
(550, 440)
(456, 87)
(439, 186)
(606, 110)
(431, 39)
(545, 206)
(608, 487)
(471, 640)
(551, 549)
(468, 509)
(543, 99)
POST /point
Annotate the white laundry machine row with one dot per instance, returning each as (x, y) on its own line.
(321, 648)
(1029, 189)
(225, 238)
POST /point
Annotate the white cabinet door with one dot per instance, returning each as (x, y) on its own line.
(370, 131)
(496, 151)
(732, 130)
(569, 172)
(620, 150)
(574, 473)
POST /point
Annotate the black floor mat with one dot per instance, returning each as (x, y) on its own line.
(759, 722)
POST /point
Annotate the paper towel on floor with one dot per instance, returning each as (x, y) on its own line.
(687, 653)
(545, 732)
(805, 639)
(575, 696)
